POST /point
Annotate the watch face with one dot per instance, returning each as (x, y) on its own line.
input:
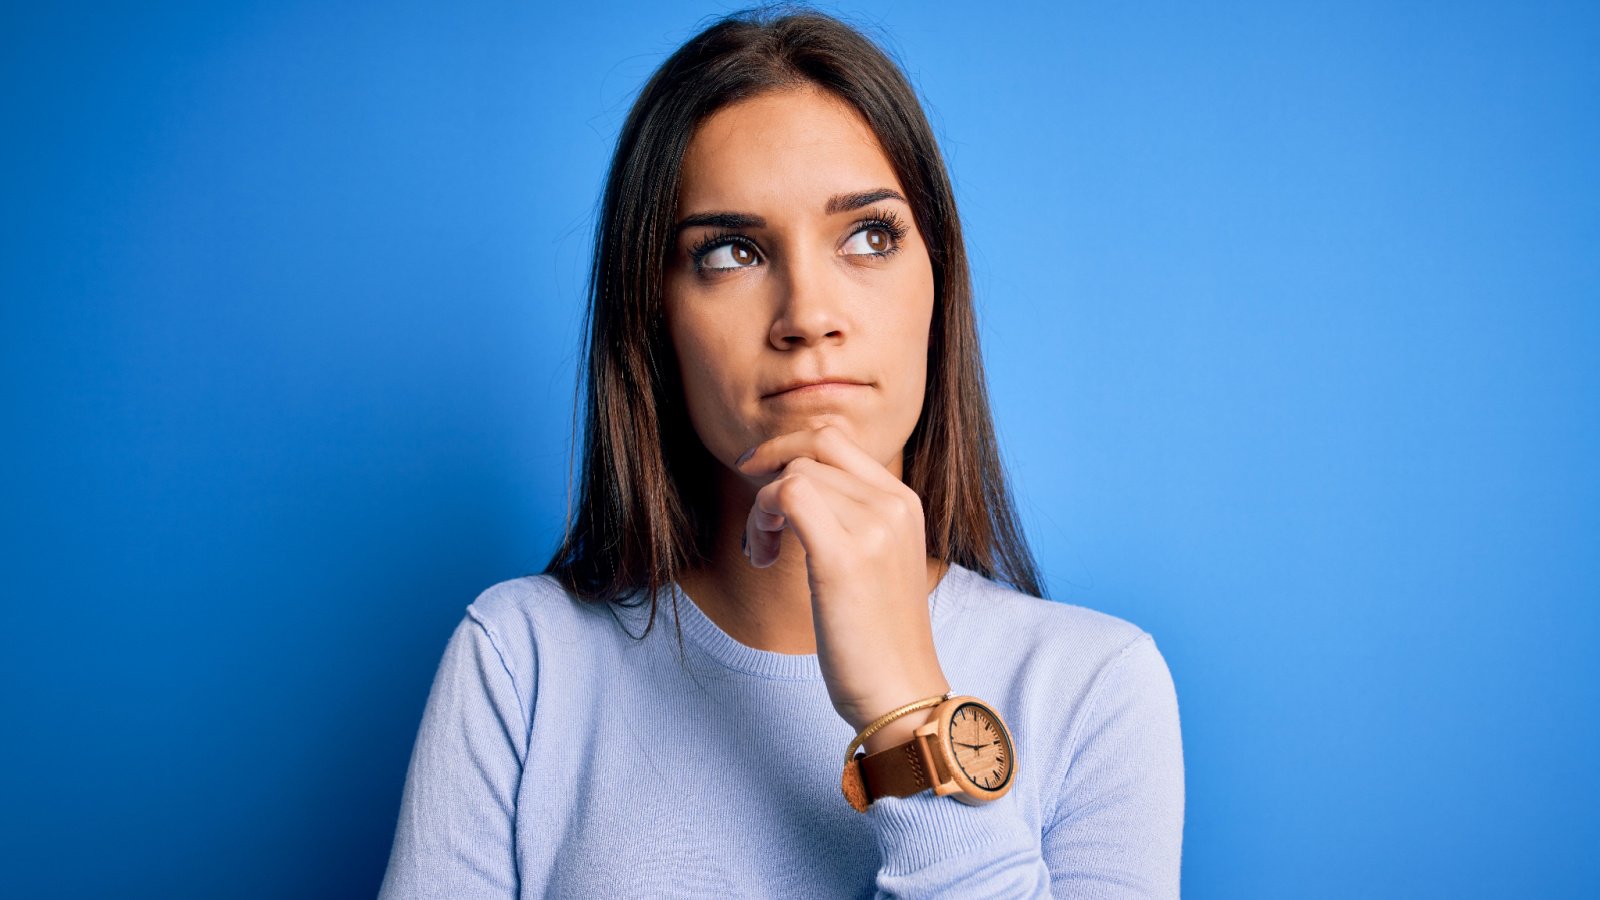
(980, 746)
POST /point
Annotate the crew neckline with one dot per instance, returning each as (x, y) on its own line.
(728, 651)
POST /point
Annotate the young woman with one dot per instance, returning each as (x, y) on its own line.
(787, 436)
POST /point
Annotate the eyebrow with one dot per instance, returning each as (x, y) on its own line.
(838, 203)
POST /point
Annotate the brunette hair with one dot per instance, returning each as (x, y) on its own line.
(641, 516)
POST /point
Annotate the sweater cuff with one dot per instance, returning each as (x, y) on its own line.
(918, 831)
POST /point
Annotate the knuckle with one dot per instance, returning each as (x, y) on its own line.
(770, 495)
(909, 505)
(784, 489)
(877, 537)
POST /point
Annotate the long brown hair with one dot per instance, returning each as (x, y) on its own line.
(641, 516)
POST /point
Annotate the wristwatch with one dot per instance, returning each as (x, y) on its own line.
(964, 750)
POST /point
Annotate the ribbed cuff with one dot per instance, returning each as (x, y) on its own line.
(918, 831)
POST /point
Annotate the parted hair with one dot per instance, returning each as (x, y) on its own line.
(644, 504)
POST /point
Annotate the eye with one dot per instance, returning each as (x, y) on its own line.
(874, 240)
(728, 256)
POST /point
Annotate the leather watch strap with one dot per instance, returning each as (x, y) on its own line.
(898, 771)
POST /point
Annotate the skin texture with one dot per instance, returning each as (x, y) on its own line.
(838, 564)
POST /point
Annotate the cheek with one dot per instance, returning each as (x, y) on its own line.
(709, 370)
(694, 352)
(913, 326)
(903, 347)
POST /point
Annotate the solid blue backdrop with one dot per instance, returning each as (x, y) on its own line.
(1290, 314)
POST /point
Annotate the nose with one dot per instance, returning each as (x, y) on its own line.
(810, 308)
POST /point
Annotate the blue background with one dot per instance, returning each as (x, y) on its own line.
(1290, 313)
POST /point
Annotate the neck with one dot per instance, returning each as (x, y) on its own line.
(767, 609)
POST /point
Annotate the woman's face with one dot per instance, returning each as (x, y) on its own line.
(796, 259)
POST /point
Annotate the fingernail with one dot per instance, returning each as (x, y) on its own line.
(745, 457)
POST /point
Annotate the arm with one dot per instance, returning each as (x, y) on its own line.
(939, 847)
(455, 833)
(1117, 827)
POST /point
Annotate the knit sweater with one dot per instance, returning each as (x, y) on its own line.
(558, 756)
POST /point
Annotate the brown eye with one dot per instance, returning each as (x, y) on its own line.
(872, 239)
(731, 255)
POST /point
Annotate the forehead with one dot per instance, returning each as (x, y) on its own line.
(792, 147)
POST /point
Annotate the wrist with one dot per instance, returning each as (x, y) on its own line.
(897, 732)
(899, 764)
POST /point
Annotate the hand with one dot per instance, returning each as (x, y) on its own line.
(867, 564)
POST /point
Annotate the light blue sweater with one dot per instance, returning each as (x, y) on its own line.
(559, 757)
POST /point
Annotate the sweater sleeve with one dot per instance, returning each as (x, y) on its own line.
(932, 846)
(1117, 828)
(1117, 823)
(455, 833)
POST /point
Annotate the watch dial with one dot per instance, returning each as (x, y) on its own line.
(980, 746)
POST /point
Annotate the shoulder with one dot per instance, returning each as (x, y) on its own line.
(1062, 662)
(535, 614)
(1070, 675)
(999, 616)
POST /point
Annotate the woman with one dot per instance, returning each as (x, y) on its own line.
(787, 435)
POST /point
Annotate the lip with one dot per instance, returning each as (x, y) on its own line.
(807, 388)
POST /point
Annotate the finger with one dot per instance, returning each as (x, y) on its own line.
(863, 512)
(854, 500)
(828, 443)
(833, 477)
(800, 505)
(860, 509)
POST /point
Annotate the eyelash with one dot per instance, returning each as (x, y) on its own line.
(884, 220)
